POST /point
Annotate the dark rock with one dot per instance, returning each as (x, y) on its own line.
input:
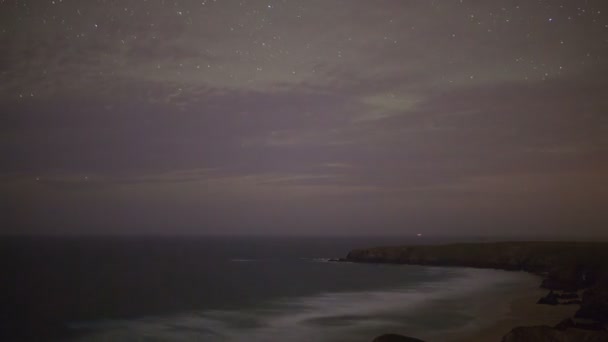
(572, 302)
(578, 323)
(530, 334)
(549, 299)
(564, 277)
(568, 295)
(556, 284)
(588, 324)
(548, 334)
(565, 324)
(560, 284)
(595, 304)
(395, 338)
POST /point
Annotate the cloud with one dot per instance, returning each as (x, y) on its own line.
(185, 105)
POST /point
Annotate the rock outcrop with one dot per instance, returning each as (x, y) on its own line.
(579, 323)
(549, 299)
(548, 334)
(395, 338)
(595, 303)
(565, 266)
(568, 295)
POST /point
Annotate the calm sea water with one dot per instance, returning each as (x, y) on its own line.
(237, 289)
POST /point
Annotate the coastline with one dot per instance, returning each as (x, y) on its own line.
(521, 310)
(566, 267)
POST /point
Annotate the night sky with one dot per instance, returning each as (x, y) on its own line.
(304, 117)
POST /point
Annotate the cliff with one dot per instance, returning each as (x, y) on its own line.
(567, 266)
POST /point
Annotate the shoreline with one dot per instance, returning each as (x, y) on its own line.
(521, 310)
(561, 266)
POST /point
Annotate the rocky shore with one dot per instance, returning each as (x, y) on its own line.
(566, 268)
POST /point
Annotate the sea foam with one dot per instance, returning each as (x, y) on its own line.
(331, 316)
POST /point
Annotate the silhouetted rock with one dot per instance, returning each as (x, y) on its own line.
(566, 279)
(578, 323)
(566, 266)
(568, 295)
(572, 302)
(550, 299)
(565, 324)
(595, 303)
(530, 334)
(548, 334)
(395, 338)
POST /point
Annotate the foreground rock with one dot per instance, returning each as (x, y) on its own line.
(395, 338)
(594, 305)
(567, 296)
(550, 299)
(580, 323)
(553, 298)
(548, 334)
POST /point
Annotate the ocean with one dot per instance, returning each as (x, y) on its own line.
(236, 289)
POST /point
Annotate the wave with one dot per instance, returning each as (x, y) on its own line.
(245, 260)
(331, 316)
(316, 259)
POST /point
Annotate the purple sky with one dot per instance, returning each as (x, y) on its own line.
(304, 117)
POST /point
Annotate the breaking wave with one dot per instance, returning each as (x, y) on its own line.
(335, 316)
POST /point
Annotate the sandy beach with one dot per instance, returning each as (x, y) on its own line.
(522, 310)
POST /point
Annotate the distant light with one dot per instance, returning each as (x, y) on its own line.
(418, 235)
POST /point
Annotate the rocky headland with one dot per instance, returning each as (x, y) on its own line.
(566, 268)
